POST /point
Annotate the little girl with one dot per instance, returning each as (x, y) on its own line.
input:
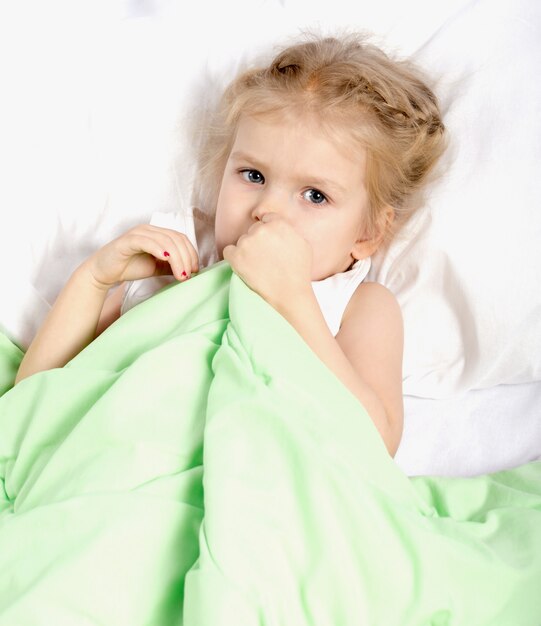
(309, 168)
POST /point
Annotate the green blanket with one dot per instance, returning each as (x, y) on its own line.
(198, 465)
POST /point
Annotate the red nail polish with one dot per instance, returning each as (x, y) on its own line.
(166, 253)
(184, 273)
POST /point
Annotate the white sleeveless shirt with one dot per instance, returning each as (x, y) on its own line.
(332, 293)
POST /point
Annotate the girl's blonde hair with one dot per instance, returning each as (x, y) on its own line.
(358, 93)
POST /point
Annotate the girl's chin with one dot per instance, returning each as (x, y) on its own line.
(322, 274)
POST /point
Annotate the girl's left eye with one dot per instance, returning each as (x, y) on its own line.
(314, 196)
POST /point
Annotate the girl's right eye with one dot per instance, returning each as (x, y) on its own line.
(252, 176)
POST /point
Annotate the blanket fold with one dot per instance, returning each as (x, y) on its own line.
(197, 464)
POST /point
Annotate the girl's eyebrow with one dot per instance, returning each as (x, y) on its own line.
(315, 180)
(325, 183)
(244, 156)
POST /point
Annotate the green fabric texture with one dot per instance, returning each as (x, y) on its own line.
(198, 465)
(10, 359)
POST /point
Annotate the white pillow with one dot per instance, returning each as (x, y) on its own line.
(100, 107)
(468, 279)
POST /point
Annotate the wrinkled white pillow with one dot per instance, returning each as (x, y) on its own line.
(100, 107)
(469, 278)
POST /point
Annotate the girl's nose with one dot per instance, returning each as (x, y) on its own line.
(258, 213)
(270, 203)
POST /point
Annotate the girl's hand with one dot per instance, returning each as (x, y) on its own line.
(272, 259)
(141, 252)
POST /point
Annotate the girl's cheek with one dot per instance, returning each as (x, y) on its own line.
(223, 239)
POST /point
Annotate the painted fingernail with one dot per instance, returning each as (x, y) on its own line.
(184, 273)
(166, 254)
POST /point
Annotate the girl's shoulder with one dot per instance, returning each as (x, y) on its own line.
(372, 299)
(372, 327)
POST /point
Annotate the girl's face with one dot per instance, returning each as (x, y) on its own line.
(289, 167)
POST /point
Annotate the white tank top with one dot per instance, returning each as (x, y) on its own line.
(332, 293)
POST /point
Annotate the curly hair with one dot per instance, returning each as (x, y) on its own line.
(358, 93)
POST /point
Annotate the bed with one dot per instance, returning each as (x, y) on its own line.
(101, 130)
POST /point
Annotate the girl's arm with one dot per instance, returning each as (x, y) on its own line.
(69, 327)
(78, 314)
(372, 338)
(366, 354)
(111, 309)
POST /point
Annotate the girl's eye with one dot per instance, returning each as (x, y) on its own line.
(253, 176)
(314, 196)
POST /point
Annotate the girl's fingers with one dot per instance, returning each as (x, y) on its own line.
(184, 264)
(187, 252)
(183, 243)
(168, 247)
(182, 257)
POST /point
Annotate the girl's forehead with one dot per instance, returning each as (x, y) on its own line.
(297, 148)
(306, 126)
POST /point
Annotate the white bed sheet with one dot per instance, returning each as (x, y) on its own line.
(478, 432)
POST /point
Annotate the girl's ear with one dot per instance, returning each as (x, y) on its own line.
(364, 248)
